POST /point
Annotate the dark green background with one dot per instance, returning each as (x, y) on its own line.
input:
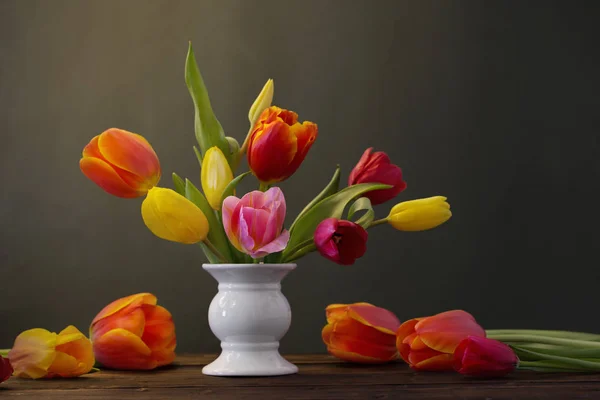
(493, 104)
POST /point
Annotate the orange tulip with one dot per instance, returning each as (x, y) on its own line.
(428, 344)
(38, 353)
(361, 333)
(122, 163)
(134, 333)
(278, 144)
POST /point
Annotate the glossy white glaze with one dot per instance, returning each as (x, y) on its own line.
(249, 315)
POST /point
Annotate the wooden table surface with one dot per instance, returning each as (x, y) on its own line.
(320, 377)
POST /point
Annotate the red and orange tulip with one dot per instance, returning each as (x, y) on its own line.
(377, 168)
(428, 343)
(361, 333)
(278, 144)
(38, 353)
(122, 163)
(134, 333)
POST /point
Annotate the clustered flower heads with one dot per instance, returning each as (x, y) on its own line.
(251, 227)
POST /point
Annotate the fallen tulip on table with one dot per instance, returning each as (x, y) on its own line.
(134, 333)
(39, 353)
(361, 332)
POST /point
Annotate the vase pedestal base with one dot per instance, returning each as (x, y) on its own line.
(259, 359)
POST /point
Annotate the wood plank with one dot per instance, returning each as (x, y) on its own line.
(467, 392)
(187, 373)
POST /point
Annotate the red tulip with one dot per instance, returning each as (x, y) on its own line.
(340, 241)
(377, 168)
(479, 356)
(122, 163)
(278, 144)
(6, 369)
(428, 343)
(361, 333)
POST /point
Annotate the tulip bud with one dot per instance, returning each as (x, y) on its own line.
(361, 333)
(428, 344)
(6, 370)
(377, 168)
(122, 163)
(262, 102)
(278, 144)
(134, 333)
(479, 356)
(171, 216)
(340, 241)
(420, 215)
(215, 176)
(38, 353)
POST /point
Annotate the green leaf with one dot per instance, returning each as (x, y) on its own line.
(362, 204)
(198, 156)
(216, 234)
(179, 184)
(330, 207)
(209, 131)
(331, 188)
(230, 189)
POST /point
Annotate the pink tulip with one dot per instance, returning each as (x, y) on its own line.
(254, 223)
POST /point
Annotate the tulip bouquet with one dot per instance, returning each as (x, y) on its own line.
(453, 340)
(251, 229)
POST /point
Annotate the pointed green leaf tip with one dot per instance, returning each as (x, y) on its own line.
(209, 131)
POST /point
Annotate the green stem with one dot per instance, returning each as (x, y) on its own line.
(536, 332)
(378, 222)
(215, 251)
(300, 253)
(566, 362)
(263, 187)
(558, 350)
(4, 352)
(548, 366)
(586, 344)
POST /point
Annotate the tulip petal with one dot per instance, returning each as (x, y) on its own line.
(443, 332)
(103, 175)
(72, 342)
(376, 317)
(336, 312)
(33, 353)
(121, 349)
(306, 133)
(271, 152)
(442, 362)
(352, 336)
(405, 205)
(133, 301)
(159, 330)
(170, 216)
(420, 218)
(276, 245)
(355, 357)
(64, 365)
(326, 334)
(418, 356)
(130, 152)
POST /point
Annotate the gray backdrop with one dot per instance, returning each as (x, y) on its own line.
(493, 104)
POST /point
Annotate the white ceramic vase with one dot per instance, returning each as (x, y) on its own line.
(249, 315)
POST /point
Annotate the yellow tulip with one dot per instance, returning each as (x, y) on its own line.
(215, 176)
(262, 102)
(420, 215)
(38, 353)
(171, 216)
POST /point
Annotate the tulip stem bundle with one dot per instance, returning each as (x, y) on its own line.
(552, 351)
